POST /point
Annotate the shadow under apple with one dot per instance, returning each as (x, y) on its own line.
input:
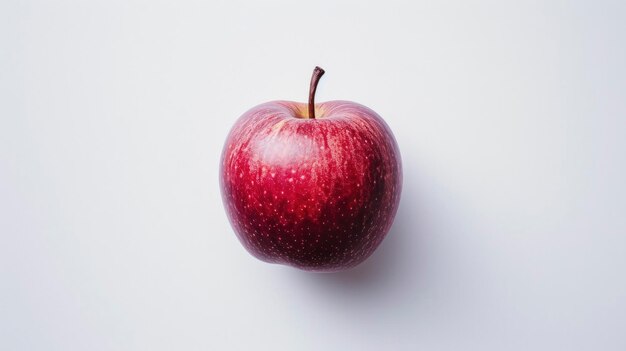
(395, 268)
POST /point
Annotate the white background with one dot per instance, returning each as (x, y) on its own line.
(511, 120)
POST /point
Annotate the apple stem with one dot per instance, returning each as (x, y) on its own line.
(315, 78)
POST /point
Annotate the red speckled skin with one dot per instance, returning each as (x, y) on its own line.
(317, 194)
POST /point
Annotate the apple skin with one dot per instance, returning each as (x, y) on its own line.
(316, 194)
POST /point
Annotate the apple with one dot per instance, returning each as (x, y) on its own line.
(313, 186)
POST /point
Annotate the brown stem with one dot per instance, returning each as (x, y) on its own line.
(315, 78)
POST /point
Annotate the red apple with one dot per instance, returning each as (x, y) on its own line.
(314, 186)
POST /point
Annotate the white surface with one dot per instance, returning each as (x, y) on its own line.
(511, 123)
